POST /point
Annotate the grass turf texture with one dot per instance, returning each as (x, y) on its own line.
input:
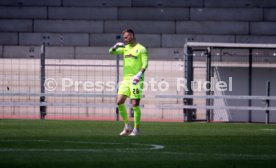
(35, 143)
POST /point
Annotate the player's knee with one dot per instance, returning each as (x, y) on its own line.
(135, 104)
(120, 102)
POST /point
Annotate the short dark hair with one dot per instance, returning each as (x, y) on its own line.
(128, 31)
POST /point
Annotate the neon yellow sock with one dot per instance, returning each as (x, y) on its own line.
(123, 112)
(137, 116)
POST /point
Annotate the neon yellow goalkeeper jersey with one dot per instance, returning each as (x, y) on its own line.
(135, 58)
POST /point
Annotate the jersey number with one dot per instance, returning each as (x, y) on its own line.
(135, 91)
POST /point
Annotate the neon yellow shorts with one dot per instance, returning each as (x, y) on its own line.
(130, 90)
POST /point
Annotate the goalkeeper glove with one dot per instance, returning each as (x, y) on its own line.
(117, 45)
(137, 78)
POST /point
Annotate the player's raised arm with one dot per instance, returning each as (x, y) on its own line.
(118, 48)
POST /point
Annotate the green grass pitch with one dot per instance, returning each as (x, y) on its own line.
(39, 144)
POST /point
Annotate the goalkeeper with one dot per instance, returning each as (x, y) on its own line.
(135, 63)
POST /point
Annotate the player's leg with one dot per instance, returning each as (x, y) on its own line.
(123, 93)
(122, 108)
(136, 95)
(137, 112)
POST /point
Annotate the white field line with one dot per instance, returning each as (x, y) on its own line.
(134, 150)
(146, 146)
(150, 148)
